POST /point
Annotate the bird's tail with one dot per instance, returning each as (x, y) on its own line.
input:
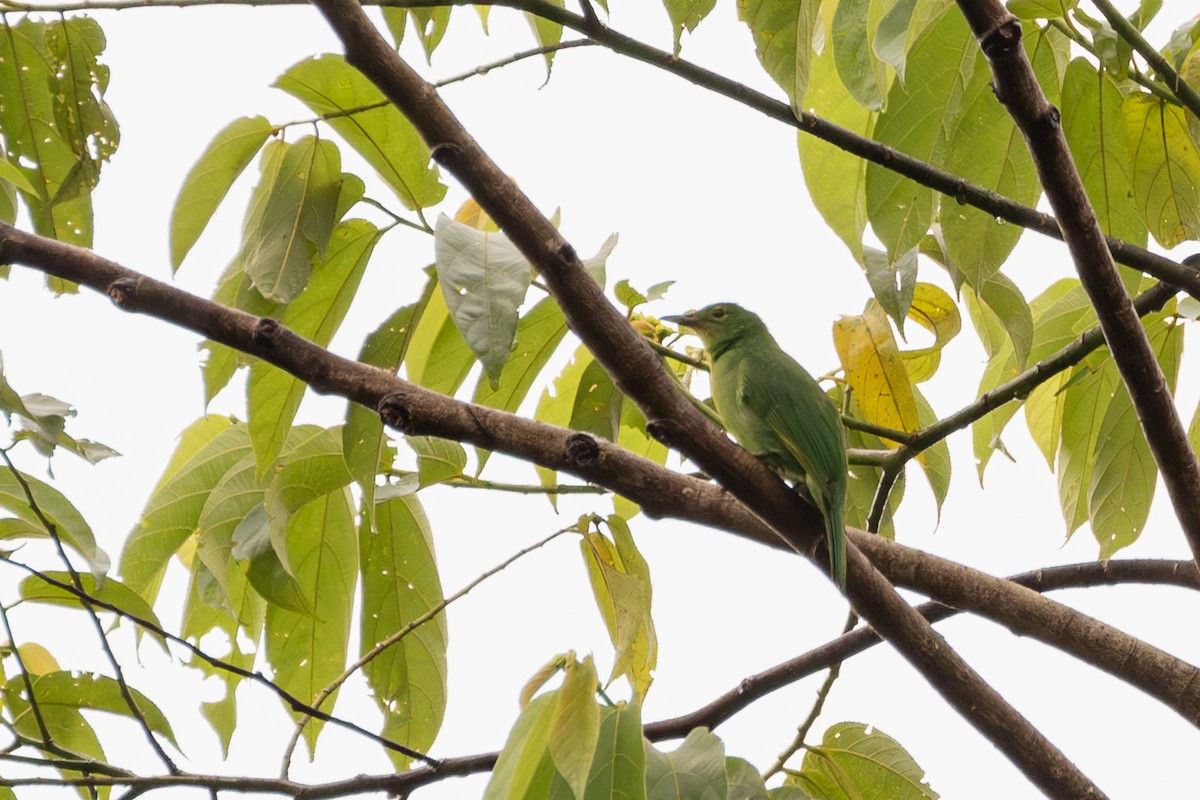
(835, 539)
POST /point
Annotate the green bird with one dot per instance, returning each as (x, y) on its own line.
(775, 409)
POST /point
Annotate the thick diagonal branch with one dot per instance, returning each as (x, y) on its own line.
(638, 372)
(1016, 86)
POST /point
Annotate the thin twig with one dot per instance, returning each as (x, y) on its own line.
(822, 695)
(484, 69)
(77, 582)
(43, 731)
(384, 644)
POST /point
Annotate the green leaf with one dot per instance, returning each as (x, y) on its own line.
(852, 35)
(380, 134)
(431, 25)
(987, 149)
(67, 690)
(687, 14)
(575, 725)
(209, 180)
(401, 584)
(1124, 472)
(484, 279)
(1043, 415)
(694, 771)
(437, 357)
(308, 652)
(201, 460)
(437, 459)
(1091, 388)
(783, 39)
(634, 438)
(1095, 130)
(619, 769)
(68, 523)
(523, 752)
(547, 32)
(67, 726)
(855, 760)
(539, 333)
(36, 590)
(1041, 9)
(917, 121)
(743, 780)
(1166, 169)
(274, 395)
(836, 180)
(14, 176)
(620, 581)
(292, 226)
(935, 461)
(892, 281)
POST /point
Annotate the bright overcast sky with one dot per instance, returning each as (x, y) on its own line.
(701, 191)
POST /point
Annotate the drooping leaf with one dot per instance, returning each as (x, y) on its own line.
(69, 524)
(436, 355)
(1095, 130)
(274, 395)
(935, 311)
(307, 651)
(209, 180)
(547, 32)
(293, 224)
(944, 56)
(523, 751)
(173, 511)
(852, 38)
(619, 769)
(36, 590)
(783, 38)
(892, 281)
(875, 370)
(620, 581)
(687, 14)
(380, 133)
(575, 725)
(1165, 169)
(484, 279)
(68, 690)
(437, 459)
(401, 584)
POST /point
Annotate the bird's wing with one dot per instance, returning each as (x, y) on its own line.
(804, 419)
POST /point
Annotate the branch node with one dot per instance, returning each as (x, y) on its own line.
(581, 450)
(1002, 39)
(267, 331)
(122, 290)
(663, 430)
(393, 410)
(565, 252)
(445, 152)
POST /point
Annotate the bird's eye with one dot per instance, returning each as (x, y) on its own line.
(718, 312)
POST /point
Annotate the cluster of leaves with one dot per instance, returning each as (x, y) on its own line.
(57, 130)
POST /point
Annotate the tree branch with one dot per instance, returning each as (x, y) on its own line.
(1016, 86)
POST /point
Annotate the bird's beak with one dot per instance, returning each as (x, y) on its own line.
(684, 320)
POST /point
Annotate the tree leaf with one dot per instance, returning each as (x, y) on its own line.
(874, 369)
(783, 38)
(210, 178)
(484, 279)
(892, 281)
(523, 752)
(547, 32)
(173, 511)
(743, 780)
(274, 395)
(693, 771)
(855, 760)
(575, 725)
(68, 523)
(1095, 129)
(936, 312)
(437, 357)
(400, 584)
(619, 769)
(687, 14)
(944, 56)
(1166, 169)
(36, 590)
(68, 690)
(437, 459)
(380, 134)
(539, 333)
(852, 38)
(308, 652)
(296, 220)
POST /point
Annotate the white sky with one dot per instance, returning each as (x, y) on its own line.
(702, 191)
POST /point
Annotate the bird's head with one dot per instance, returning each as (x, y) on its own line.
(720, 324)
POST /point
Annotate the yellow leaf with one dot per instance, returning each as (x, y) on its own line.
(875, 369)
(935, 311)
(37, 659)
(469, 213)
